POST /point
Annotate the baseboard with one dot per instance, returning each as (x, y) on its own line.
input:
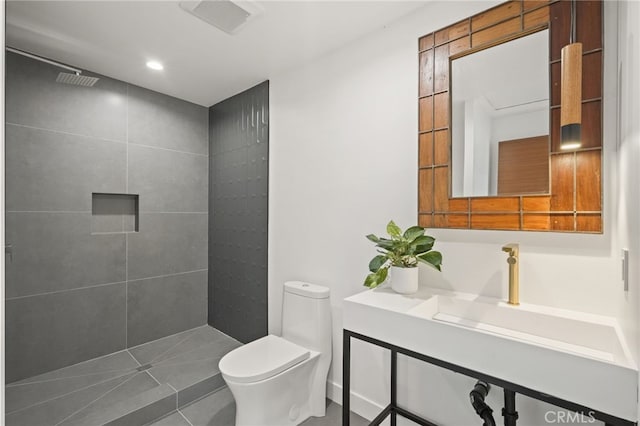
(359, 404)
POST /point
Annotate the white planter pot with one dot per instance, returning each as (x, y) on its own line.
(404, 280)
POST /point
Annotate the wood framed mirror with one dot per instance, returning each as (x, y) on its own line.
(573, 202)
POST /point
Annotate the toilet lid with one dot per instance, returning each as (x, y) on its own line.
(261, 359)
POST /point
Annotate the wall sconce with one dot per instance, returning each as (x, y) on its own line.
(571, 90)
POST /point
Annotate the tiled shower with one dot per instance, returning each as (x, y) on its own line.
(64, 144)
(108, 281)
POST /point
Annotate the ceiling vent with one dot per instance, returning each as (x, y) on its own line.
(227, 15)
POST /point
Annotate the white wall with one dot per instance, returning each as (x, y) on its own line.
(470, 123)
(628, 202)
(481, 145)
(475, 145)
(343, 156)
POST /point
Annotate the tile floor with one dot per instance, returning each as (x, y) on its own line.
(174, 379)
(130, 387)
(218, 409)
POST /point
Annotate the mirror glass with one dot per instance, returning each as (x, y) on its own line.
(500, 119)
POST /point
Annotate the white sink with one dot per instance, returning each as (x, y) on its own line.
(551, 351)
(593, 336)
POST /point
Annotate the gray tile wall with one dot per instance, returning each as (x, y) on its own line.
(238, 213)
(73, 294)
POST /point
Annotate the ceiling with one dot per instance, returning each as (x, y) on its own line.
(201, 63)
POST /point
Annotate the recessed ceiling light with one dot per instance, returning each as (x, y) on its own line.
(155, 65)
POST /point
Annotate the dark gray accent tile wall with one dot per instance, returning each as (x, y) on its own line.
(65, 143)
(163, 306)
(43, 332)
(238, 211)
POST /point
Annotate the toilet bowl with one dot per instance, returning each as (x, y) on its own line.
(281, 381)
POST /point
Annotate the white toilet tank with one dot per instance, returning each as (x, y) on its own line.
(306, 316)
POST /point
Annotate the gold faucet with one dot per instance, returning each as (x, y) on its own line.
(514, 278)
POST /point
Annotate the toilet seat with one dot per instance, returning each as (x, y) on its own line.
(261, 359)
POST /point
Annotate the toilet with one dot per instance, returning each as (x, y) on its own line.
(281, 381)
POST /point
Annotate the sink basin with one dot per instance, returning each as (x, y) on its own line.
(593, 336)
(551, 351)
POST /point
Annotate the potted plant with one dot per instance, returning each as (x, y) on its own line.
(401, 253)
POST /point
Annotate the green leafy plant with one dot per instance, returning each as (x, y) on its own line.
(403, 249)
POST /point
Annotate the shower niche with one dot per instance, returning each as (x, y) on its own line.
(114, 213)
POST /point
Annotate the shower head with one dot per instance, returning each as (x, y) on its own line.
(77, 79)
(63, 77)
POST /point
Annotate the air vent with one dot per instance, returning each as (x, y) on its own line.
(226, 15)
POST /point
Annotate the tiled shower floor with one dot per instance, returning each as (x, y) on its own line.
(131, 387)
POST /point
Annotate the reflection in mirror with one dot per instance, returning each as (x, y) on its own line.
(500, 119)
